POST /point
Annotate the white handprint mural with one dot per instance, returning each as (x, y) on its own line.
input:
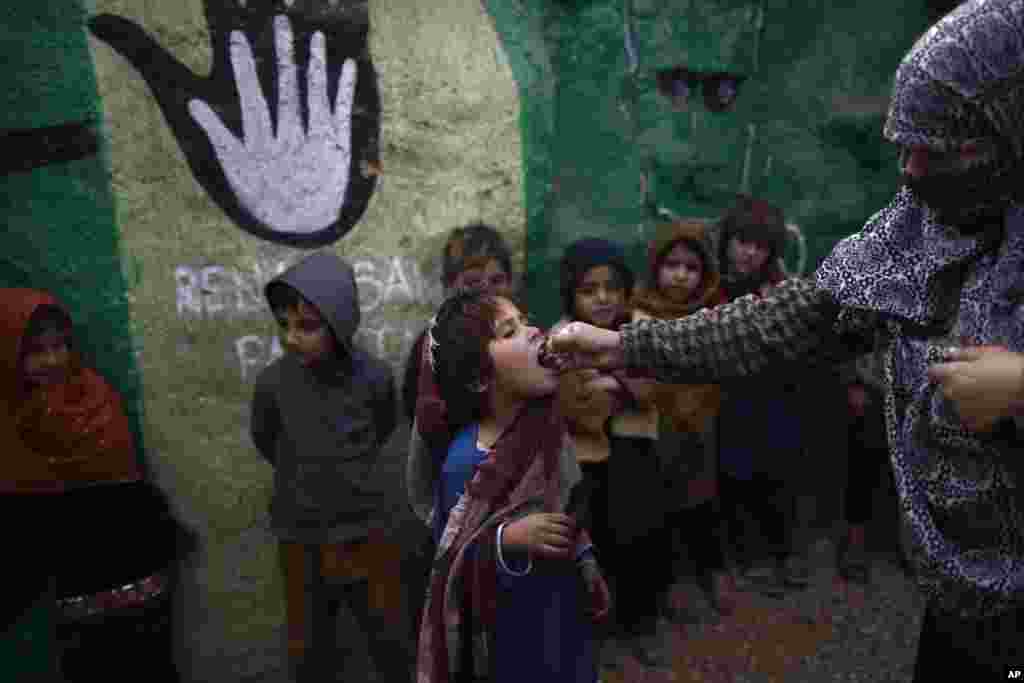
(293, 179)
(283, 134)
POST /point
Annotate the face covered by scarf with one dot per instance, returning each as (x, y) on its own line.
(944, 264)
(962, 87)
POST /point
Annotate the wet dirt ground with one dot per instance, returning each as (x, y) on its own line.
(830, 631)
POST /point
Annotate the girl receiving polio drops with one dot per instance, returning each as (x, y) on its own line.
(515, 577)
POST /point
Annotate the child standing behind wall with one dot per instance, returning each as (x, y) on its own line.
(683, 279)
(320, 415)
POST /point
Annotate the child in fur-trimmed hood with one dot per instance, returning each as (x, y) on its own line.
(684, 278)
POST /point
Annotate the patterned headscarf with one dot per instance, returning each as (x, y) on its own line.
(963, 83)
(938, 284)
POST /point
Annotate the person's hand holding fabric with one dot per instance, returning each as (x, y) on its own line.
(985, 383)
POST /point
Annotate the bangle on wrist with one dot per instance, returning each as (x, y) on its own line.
(501, 554)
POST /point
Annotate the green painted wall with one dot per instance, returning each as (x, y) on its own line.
(804, 132)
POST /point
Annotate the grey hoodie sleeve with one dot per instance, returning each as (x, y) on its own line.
(264, 420)
(796, 324)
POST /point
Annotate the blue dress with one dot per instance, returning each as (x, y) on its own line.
(542, 634)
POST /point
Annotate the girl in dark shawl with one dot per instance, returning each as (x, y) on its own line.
(514, 576)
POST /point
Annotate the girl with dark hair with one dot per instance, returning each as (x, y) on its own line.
(751, 238)
(759, 428)
(512, 571)
(475, 256)
(618, 461)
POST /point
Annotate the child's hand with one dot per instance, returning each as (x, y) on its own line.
(601, 382)
(543, 534)
(985, 384)
(597, 590)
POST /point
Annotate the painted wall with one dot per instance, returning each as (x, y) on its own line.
(163, 170)
(670, 108)
(664, 108)
(198, 165)
(447, 153)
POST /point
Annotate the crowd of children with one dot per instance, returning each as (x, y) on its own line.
(663, 468)
(559, 500)
(558, 504)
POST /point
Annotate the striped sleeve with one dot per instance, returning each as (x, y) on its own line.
(796, 324)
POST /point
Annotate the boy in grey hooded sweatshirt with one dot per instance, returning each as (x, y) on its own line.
(320, 415)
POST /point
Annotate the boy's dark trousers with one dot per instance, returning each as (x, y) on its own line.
(318, 578)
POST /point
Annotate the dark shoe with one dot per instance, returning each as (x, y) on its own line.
(794, 572)
(766, 580)
(721, 590)
(612, 653)
(854, 565)
(676, 608)
(650, 649)
(855, 569)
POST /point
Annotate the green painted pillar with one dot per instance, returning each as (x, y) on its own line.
(60, 232)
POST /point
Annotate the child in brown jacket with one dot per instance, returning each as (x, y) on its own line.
(684, 278)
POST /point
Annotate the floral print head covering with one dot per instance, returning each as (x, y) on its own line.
(938, 283)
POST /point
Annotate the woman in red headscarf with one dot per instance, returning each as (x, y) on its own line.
(90, 536)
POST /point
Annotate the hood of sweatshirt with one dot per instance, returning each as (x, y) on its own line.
(329, 283)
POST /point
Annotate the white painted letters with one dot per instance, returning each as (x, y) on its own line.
(216, 292)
